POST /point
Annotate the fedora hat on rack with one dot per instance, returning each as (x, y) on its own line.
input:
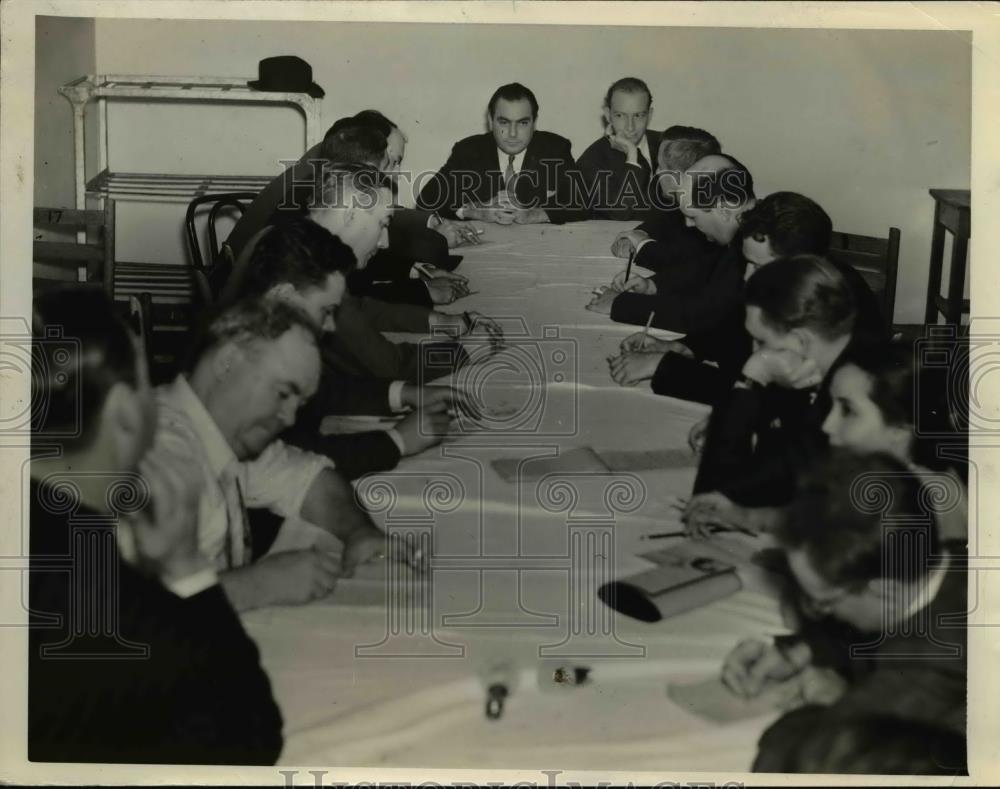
(286, 74)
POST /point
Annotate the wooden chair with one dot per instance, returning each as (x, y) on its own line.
(67, 260)
(220, 256)
(876, 259)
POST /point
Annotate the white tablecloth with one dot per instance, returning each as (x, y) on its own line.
(394, 671)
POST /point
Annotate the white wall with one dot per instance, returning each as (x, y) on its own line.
(65, 48)
(862, 121)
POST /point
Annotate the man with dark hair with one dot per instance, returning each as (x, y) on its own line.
(371, 138)
(302, 264)
(145, 661)
(617, 169)
(688, 296)
(511, 173)
(255, 364)
(700, 366)
(884, 605)
(800, 314)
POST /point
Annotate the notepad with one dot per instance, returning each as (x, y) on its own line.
(713, 701)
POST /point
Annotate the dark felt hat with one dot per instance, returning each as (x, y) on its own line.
(286, 73)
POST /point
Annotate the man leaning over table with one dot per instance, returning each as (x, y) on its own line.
(256, 364)
(512, 173)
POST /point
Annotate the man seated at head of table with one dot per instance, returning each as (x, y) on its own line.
(256, 363)
(301, 263)
(617, 170)
(512, 173)
(367, 137)
(882, 608)
(355, 202)
(143, 661)
(701, 365)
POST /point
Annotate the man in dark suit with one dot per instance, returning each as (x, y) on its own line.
(512, 173)
(617, 170)
(883, 605)
(136, 654)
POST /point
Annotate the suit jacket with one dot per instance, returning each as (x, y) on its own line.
(691, 296)
(354, 454)
(615, 189)
(759, 439)
(197, 696)
(728, 346)
(410, 240)
(472, 174)
(915, 671)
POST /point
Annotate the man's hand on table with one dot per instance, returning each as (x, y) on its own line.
(372, 545)
(626, 243)
(424, 428)
(602, 302)
(709, 512)
(446, 290)
(642, 341)
(289, 578)
(633, 367)
(463, 324)
(498, 214)
(458, 233)
(413, 396)
(754, 666)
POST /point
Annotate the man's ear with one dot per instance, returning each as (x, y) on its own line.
(226, 359)
(803, 340)
(282, 291)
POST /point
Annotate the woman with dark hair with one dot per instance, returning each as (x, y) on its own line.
(879, 403)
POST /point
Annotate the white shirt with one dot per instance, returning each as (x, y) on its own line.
(504, 158)
(278, 479)
(643, 147)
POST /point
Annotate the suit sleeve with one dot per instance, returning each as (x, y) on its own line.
(679, 310)
(566, 204)
(383, 316)
(441, 192)
(200, 695)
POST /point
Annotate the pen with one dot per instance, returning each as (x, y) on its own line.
(422, 271)
(645, 331)
(628, 268)
(663, 535)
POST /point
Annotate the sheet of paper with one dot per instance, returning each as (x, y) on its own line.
(711, 700)
(647, 459)
(571, 461)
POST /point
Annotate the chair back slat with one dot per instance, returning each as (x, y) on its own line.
(876, 259)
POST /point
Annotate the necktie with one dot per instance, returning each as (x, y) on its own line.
(644, 163)
(508, 178)
(239, 549)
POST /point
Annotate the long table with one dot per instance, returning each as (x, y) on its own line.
(395, 670)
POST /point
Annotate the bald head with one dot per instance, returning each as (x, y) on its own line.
(714, 192)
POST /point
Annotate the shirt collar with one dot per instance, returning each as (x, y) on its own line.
(644, 149)
(931, 587)
(503, 158)
(217, 450)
